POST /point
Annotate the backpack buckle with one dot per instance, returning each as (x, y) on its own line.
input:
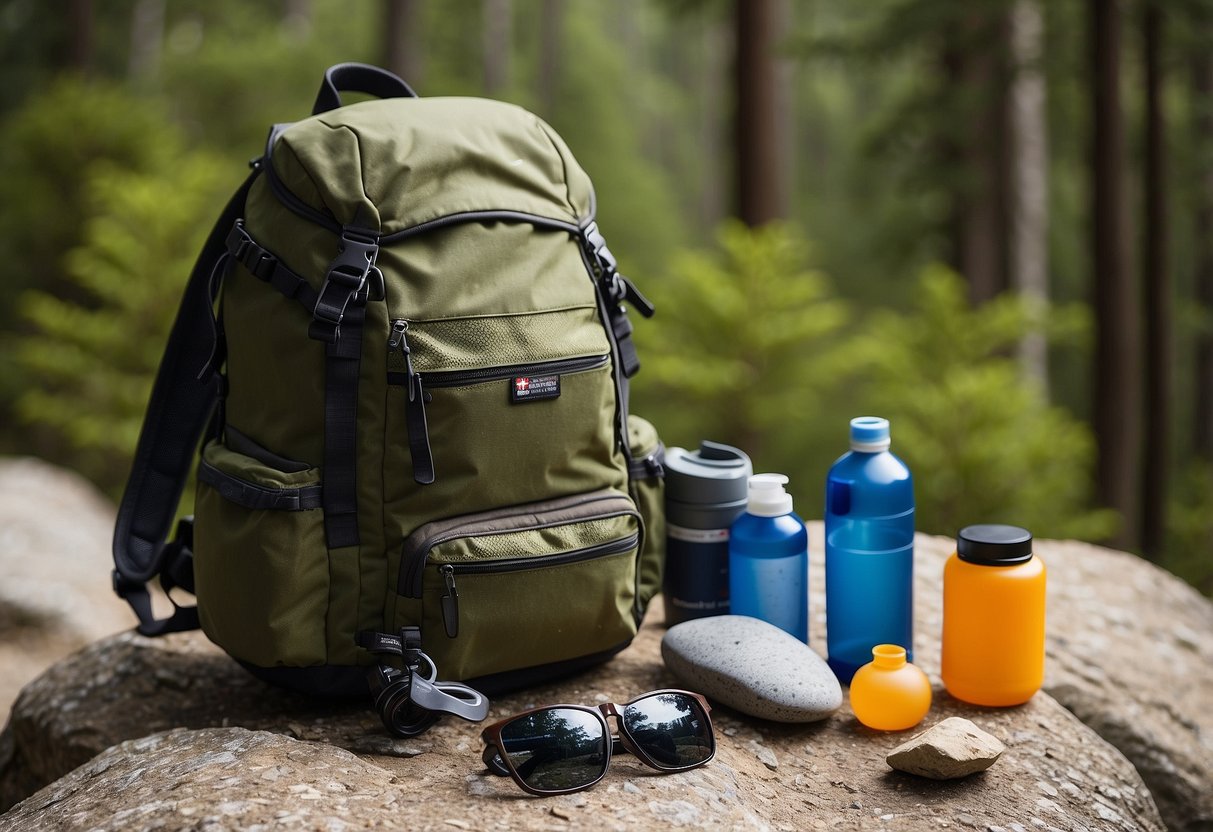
(345, 282)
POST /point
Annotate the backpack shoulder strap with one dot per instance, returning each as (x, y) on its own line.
(183, 399)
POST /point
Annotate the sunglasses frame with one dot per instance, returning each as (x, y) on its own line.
(498, 761)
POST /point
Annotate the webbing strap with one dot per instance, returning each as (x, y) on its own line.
(266, 266)
(342, 365)
(182, 400)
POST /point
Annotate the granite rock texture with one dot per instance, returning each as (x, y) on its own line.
(1056, 773)
(218, 778)
(55, 596)
(1129, 653)
(947, 750)
(752, 666)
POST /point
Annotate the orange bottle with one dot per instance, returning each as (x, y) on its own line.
(993, 617)
(887, 693)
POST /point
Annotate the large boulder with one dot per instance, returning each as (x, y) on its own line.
(55, 531)
(1056, 773)
(1129, 652)
(1128, 655)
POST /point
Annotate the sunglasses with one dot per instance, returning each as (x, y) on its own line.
(566, 748)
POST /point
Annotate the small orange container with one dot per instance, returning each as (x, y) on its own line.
(888, 693)
(993, 617)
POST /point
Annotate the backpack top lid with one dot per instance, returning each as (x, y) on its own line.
(391, 165)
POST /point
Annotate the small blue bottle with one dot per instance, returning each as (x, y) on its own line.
(869, 522)
(769, 559)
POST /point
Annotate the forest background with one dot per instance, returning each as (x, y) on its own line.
(990, 221)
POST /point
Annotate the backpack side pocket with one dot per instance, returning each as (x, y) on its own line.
(260, 563)
(646, 482)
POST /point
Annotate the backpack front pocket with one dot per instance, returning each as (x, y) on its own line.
(505, 427)
(260, 562)
(523, 586)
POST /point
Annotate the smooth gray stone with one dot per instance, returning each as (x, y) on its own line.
(753, 667)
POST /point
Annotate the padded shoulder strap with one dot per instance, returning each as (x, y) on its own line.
(182, 401)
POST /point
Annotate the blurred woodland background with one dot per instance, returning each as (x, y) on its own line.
(989, 220)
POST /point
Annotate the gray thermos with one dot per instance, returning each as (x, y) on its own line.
(705, 491)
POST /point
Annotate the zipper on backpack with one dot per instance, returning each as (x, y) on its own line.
(450, 598)
(414, 406)
(457, 378)
(414, 555)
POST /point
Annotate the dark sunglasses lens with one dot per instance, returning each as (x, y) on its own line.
(671, 728)
(556, 749)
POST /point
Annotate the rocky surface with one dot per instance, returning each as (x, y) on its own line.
(1128, 652)
(948, 750)
(752, 666)
(830, 774)
(55, 596)
(222, 778)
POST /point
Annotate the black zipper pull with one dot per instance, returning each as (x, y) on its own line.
(419, 432)
(450, 602)
(414, 407)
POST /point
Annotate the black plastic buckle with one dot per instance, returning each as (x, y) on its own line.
(354, 260)
(238, 240)
(345, 282)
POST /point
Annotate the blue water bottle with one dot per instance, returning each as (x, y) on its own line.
(769, 559)
(869, 523)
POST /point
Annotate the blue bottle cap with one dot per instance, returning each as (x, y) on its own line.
(869, 433)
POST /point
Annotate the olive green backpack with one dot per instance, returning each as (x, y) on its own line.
(405, 354)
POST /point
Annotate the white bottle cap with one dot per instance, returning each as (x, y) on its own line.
(767, 496)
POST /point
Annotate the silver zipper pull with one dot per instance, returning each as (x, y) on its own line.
(398, 340)
(397, 337)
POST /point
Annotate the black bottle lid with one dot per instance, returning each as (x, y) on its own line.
(994, 545)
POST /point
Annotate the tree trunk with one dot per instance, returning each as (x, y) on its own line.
(1029, 221)
(1116, 417)
(1156, 467)
(402, 50)
(147, 38)
(712, 115)
(551, 39)
(973, 63)
(758, 170)
(1202, 93)
(496, 45)
(81, 20)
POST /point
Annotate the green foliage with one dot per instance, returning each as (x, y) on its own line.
(1191, 528)
(230, 70)
(752, 347)
(746, 348)
(87, 368)
(50, 146)
(984, 446)
(600, 111)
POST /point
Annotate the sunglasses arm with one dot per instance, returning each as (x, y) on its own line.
(492, 761)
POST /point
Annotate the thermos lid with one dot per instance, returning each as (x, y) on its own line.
(714, 474)
(994, 545)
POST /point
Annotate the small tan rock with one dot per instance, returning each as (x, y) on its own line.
(950, 749)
